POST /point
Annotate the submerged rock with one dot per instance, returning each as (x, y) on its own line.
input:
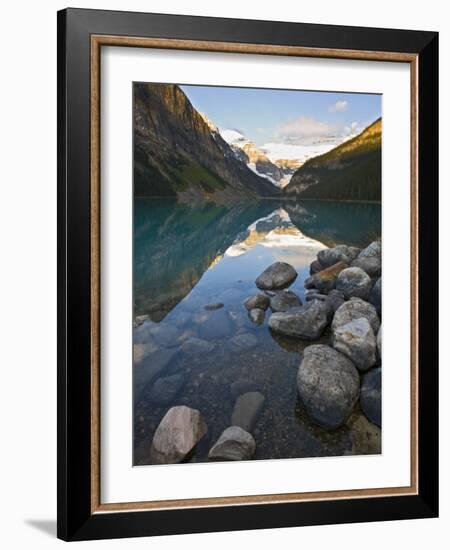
(374, 249)
(356, 340)
(328, 385)
(194, 346)
(284, 300)
(257, 316)
(246, 410)
(216, 326)
(259, 301)
(353, 309)
(354, 282)
(307, 321)
(276, 276)
(370, 264)
(145, 372)
(375, 295)
(242, 342)
(234, 444)
(165, 389)
(165, 334)
(325, 280)
(177, 434)
(371, 396)
(212, 307)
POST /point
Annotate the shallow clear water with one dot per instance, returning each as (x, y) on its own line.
(186, 257)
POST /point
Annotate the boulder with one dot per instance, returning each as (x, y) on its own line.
(234, 444)
(354, 282)
(375, 295)
(246, 410)
(257, 316)
(335, 299)
(325, 280)
(284, 300)
(315, 267)
(371, 396)
(354, 309)
(370, 264)
(328, 385)
(374, 249)
(276, 276)
(307, 322)
(197, 346)
(176, 436)
(315, 296)
(259, 301)
(379, 336)
(242, 342)
(330, 256)
(357, 341)
(150, 368)
(165, 389)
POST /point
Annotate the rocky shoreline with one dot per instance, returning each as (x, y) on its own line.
(343, 298)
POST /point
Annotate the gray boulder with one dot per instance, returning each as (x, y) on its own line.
(315, 296)
(276, 276)
(259, 301)
(371, 396)
(374, 249)
(165, 389)
(214, 306)
(335, 299)
(354, 309)
(357, 341)
(354, 282)
(325, 280)
(246, 410)
(197, 346)
(284, 300)
(375, 295)
(257, 316)
(379, 344)
(340, 253)
(242, 342)
(307, 322)
(315, 267)
(328, 385)
(234, 444)
(370, 264)
(177, 434)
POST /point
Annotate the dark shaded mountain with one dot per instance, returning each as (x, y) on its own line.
(351, 171)
(177, 154)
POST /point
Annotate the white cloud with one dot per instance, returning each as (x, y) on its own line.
(305, 128)
(338, 107)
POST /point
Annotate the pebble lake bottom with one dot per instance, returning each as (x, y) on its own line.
(194, 265)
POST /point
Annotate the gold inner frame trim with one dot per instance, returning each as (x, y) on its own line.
(97, 41)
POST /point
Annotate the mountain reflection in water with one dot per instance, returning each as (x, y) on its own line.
(189, 256)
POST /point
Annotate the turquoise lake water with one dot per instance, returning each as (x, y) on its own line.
(189, 256)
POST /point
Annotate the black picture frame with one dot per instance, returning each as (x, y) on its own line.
(75, 518)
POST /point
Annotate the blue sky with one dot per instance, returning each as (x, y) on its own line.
(284, 115)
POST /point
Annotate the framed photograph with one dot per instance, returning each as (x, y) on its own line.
(247, 274)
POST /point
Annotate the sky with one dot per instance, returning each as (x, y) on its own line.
(285, 116)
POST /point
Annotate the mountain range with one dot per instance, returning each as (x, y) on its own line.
(179, 152)
(351, 171)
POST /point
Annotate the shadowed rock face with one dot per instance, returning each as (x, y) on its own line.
(176, 154)
(171, 252)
